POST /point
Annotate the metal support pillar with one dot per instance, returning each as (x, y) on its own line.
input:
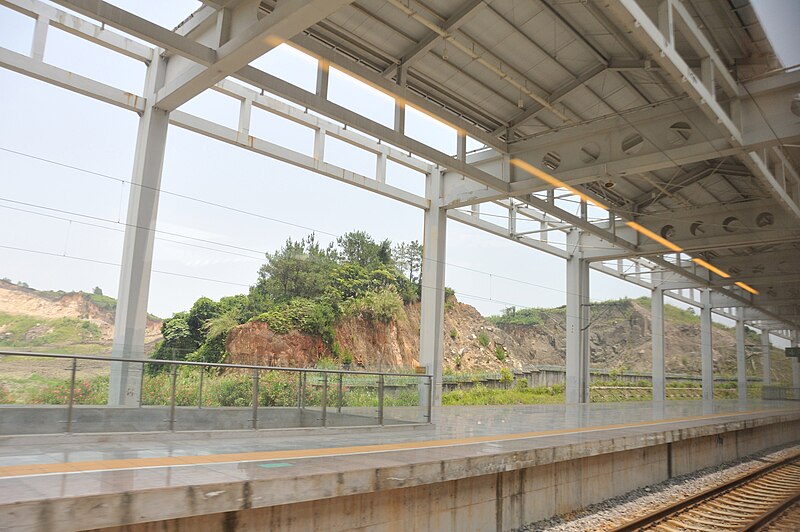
(706, 345)
(796, 361)
(399, 103)
(741, 361)
(765, 359)
(657, 327)
(577, 321)
(137, 252)
(431, 345)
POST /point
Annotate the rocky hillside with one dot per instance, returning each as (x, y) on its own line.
(70, 322)
(620, 336)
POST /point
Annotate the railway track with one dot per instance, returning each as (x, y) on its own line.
(765, 499)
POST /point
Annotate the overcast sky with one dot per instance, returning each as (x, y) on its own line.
(62, 228)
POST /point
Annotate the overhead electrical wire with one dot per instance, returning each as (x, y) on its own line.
(63, 211)
(218, 205)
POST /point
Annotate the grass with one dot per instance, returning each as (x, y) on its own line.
(516, 395)
(275, 389)
(28, 331)
(234, 388)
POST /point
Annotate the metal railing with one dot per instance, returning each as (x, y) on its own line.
(422, 382)
(780, 393)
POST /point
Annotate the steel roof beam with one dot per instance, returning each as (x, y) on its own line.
(427, 43)
(559, 94)
(317, 49)
(23, 64)
(659, 41)
(186, 47)
(142, 28)
(486, 58)
(239, 46)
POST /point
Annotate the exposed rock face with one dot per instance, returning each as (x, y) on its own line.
(18, 300)
(255, 343)
(620, 337)
(376, 345)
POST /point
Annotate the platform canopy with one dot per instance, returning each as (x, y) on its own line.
(675, 115)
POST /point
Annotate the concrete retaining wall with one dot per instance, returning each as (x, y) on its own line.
(498, 493)
(554, 375)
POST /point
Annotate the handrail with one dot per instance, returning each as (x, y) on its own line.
(209, 364)
(174, 364)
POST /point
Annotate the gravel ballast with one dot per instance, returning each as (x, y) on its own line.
(619, 510)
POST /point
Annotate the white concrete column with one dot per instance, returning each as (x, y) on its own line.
(399, 103)
(706, 352)
(577, 322)
(137, 252)
(766, 378)
(431, 342)
(796, 361)
(657, 328)
(741, 360)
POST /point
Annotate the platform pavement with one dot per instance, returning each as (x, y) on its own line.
(70, 482)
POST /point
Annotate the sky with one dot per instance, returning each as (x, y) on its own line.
(65, 160)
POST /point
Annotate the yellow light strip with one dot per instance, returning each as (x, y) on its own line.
(711, 267)
(658, 238)
(747, 287)
(547, 178)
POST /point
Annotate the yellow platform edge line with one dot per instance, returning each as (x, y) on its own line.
(256, 456)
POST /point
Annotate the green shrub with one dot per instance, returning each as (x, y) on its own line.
(326, 363)
(277, 388)
(483, 339)
(500, 353)
(453, 334)
(384, 305)
(231, 390)
(87, 392)
(347, 357)
(506, 377)
(212, 350)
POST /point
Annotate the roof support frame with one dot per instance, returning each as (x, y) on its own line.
(455, 21)
(237, 49)
(661, 46)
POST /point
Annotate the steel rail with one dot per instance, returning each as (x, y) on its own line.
(653, 519)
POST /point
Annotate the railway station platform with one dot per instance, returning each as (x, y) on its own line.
(477, 468)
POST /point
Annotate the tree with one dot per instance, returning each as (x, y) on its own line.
(299, 269)
(358, 247)
(97, 291)
(177, 343)
(203, 310)
(408, 259)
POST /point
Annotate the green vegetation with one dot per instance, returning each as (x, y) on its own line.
(234, 388)
(307, 287)
(29, 331)
(518, 395)
(526, 316)
(453, 334)
(483, 339)
(500, 353)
